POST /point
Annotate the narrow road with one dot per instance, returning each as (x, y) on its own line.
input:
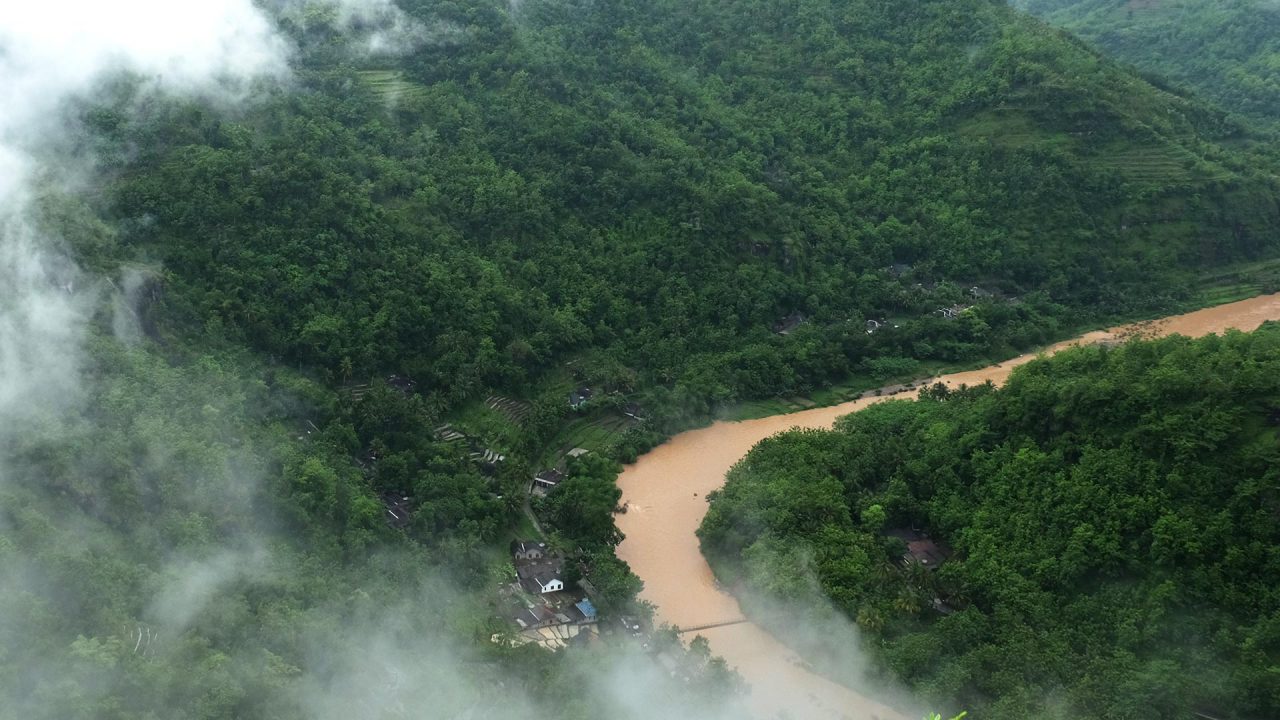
(528, 511)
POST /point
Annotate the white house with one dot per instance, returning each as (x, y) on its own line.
(539, 577)
(548, 583)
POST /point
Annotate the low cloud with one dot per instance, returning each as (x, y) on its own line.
(51, 53)
(385, 660)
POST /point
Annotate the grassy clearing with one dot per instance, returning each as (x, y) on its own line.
(391, 85)
(479, 420)
(1010, 128)
(592, 432)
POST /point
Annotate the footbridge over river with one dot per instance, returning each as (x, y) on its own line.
(710, 625)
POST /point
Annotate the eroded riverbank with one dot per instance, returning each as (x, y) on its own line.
(665, 493)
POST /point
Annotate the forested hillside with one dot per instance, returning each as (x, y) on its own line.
(1094, 539)
(667, 182)
(1227, 51)
(248, 313)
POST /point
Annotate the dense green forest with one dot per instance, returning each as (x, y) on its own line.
(1227, 51)
(280, 300)
(1110, 516)
(664, 182)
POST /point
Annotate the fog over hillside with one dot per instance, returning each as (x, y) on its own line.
(298, 298)
(72, 387)
(54, 52)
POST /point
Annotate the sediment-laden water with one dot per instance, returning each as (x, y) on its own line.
(665, 492)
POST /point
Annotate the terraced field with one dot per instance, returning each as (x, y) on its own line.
(1157, 165)
(1238, 282)
(590, 433)
(515, 411)
(391, 85)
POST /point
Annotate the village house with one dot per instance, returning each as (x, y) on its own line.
(398, 505)
(920, 549)
(633, 411)
(533, 617)
(579, 397)
(586, 609)
(547, 480)
(540, 578)
(527, 550)
(539, 571)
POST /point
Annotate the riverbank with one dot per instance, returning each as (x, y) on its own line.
(665, 490)
(1225, 286)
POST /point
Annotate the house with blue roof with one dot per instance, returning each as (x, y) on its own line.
(587, 609)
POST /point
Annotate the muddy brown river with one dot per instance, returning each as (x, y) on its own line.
(665, 491)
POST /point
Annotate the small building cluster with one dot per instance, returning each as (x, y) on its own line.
(539, 577)
(538, 603)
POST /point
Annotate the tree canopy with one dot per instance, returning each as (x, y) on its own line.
(293, 300)
(1226, 51)
(1110, 516)
(667, 183)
